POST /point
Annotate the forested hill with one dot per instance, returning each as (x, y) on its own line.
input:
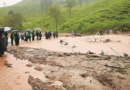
(87, 16)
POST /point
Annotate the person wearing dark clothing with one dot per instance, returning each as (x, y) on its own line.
(100, 32)
(46, 35)
(56, 34)
(50, 34)
(37, 33)
(22, 36)
(40, 36)
(4, 42)
(6, 36)
(33, 36)
(16, 38)
(1, 42)
(25, 36)
(1, 46)
(12, 34)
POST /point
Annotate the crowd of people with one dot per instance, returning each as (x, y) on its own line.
(49, 34)
(3, 41)
(15, 37)
(116, 31)
(30, 36)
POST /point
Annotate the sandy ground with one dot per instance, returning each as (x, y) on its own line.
(17, 77)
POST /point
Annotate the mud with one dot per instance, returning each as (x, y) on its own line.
(77, 71)
(39, 68)
(37, 84)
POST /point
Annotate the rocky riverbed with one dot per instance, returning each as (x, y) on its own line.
(75, 71)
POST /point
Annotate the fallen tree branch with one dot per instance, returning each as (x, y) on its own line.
(113, 66)
(93, 55)
(126, 62)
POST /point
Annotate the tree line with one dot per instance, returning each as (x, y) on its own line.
(16, 20)
(55, 12)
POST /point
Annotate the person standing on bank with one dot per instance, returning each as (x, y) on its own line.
(12, 34)
(101, 33)
(50, 34)
(1, 46)
(40, 36)
(33, 36)
(6, 36)
(37, 33)
(25, 36)
(56, 34)
(4, 42)
(16, 38)
(22, 36)
(29, 36)
(1, 42)
(46, 35)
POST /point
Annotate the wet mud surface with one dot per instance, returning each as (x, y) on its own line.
(12, 75)
(75, 71)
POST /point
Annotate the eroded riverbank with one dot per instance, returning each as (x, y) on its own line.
(75, 71)
(66, 65)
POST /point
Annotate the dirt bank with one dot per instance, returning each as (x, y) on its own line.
(75, 71)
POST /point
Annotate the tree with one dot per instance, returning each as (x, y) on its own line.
(55, 13)
(70, 5)
(80, 2)
(10, 12)
(8, 20)
(86, 1)
(16, 21)
(45, 4)
(1, 23)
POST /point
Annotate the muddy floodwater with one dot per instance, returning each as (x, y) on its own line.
(75, 64)
(13, 78)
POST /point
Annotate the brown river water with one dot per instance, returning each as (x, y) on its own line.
(13, 78)
(16, 78)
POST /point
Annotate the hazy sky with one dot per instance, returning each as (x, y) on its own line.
(9, 2)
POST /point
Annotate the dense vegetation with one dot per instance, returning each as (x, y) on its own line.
(86, 16)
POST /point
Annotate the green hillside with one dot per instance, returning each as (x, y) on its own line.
(88, 18)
